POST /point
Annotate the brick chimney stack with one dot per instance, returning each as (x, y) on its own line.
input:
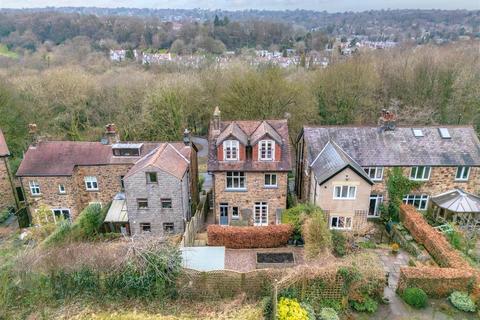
(387, 120)
(32, 131)
(111, 134)
(216, 118)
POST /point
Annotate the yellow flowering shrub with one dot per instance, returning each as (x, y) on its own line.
(290, 309)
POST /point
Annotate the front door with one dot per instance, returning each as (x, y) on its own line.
(261, 214)
(224, 214)
(374, 209)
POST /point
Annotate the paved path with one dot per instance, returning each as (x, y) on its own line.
(397, 309)
(202, 145)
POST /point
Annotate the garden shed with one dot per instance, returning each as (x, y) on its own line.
(457, 206)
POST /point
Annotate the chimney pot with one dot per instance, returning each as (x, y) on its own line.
(216, 118)
(186, 137)
(111, 134)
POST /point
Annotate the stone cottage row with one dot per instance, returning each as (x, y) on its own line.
(153, 185)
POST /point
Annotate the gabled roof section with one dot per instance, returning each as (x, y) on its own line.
(333, 159)
(265, 129)
(371, 146)
(459, 201)
(232, 130)
(170, 158)
(4, 152)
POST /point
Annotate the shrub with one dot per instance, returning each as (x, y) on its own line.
(309, 309)
(368, 245)
(249, 237)
(295, 216)
(339, 242)
(415, 297)
(328, 314)
(4, 215)
(367, 305)
(316, 234)
(267, 307)
(462, 301)
(90, 220)
(331, 304)
(290, 309)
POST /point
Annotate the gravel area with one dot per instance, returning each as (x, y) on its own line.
(243, 260)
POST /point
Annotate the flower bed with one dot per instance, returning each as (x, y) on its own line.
(249, 237)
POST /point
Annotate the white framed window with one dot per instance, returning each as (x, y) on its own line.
(236, 181)
(230, 150)
(34, 188)
(151, 177)
(142, 203)
(345, 192)
(420, 173)
(375, 173)
(266, 150)
(145, 227)
(374, 208)
(91, 183)
(340, 222)
(61, 189)
(260, 214)
(462, 173)
(166, 203)
(59, 213)
(270, 180)
(419, 201)
(235, 213)
(168, 227)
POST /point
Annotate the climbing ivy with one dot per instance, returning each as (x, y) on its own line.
(397, 186)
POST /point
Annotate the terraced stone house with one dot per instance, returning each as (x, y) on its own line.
(250, 162)
(67, 176)
(344, 169)
(7, 185)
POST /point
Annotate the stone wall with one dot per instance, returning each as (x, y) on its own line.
(168, 186)
(7, 198)
(50, 195)
(76, 197)
(255, 192)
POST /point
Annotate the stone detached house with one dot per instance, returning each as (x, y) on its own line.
(67, 176)
(159, 189)
(7, 195)
(250, 162)
(344, 169)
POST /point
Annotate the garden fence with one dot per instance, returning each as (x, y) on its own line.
(197, 222)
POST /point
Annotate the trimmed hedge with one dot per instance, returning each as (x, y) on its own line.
(249, 237)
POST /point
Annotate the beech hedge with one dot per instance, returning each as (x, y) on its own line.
(249, 237)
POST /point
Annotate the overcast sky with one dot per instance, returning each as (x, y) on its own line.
(319, 5)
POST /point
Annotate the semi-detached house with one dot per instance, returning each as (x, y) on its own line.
(344, 169)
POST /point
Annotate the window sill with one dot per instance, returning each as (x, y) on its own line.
(419, 180)
(461, 181)
(236, 190)
(270, 187)
(93, 190)
(36, 195)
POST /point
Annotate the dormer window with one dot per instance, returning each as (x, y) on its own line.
(126, 149)
(266, 150)
(230, 150)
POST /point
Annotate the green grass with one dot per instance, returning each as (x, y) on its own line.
(5, 52)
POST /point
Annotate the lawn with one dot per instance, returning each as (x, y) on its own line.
(5, 52)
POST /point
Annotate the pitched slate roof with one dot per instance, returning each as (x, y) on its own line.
(280, 127)
(457, 200)
(264, 129)
(370, 146)
(173, 158)
(4, 152)
(331, 160)
(59, 158)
